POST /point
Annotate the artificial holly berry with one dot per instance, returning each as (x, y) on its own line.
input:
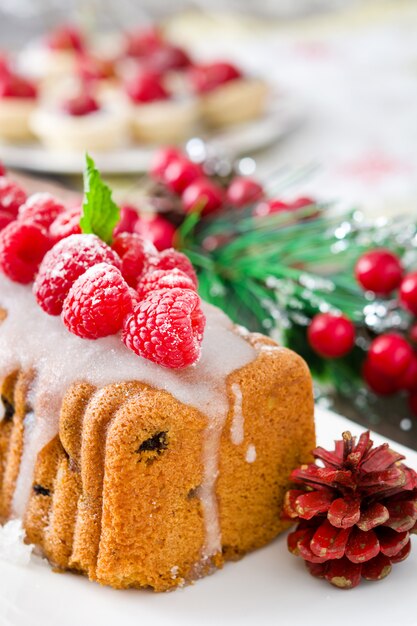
(355, 511)
(377, 382)
(379, 271)
(161, 159)
(180, 173)
(158, 230)
(408, 292)
(202, 195)
(331, 335)
(243, 191)
(390, 354)
(270, 207)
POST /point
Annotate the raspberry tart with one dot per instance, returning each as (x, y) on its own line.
(18, 100)
(144, 439)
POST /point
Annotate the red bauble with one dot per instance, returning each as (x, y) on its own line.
(390, 354)
(379, 271)
(408, 292)
(180, 173)
(202, 195)
(380, 384)
(331, 335)
(243, 191)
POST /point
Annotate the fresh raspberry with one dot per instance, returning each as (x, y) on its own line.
(209, 76)
(66, 37)
(5, 219)
(12, 196)
(135, 253)
(166, 328)
(172, 259)
(13, 86)
(41, 208)
(158, 230)
(22, 248)
(164, 279)
(167, 57)
(66, 224)
(128, 218)
(61, 267)
(134, 296)
(143, 42)
(97, 303)
(80, 105)
(146, 87)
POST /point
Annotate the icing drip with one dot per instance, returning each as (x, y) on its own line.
(32, 340)
(237, 427)
(251, 453)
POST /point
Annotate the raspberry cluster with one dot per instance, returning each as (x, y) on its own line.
(99, 290)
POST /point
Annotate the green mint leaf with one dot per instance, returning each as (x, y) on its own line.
(100, 213)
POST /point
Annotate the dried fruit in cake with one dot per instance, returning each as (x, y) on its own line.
(203, 195)
(22, 248)
(207, 76)
(12, 196)
(164, 279)
(135, 253)
(64, 263)
(41, 208)
(170, 259)
(166, 328)
(97, 303)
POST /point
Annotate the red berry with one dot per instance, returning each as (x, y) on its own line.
(301, 203)
(66, 37)
(92, 68)
(412, 403)
(12, 196)
(161, 159)
(5, 219)
(97, 303)
(379, 383)
(243, 191)
(379, 271)
(166, 328)
(41, 208)
(390, 354)
(180, 173)
(164, 279)
(208, 76)
(128, 218)
(202, 195)
(166, 58)
(135, 253)
(61, 267)
(408, 380)
(331, 335)
(4, 66)
(66, 224)
(158, 230)
(146, 87)
(408, 292)
(143, 42)
(12, 86)
(80, 105)
(413, 333)
(172, 259)
(270, 207)
(2, 169)
(22, 248)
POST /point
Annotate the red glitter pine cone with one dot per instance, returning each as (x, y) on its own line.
(355, 510)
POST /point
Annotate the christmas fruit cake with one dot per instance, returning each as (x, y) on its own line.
(144, 439)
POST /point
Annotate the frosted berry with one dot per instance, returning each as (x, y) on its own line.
(22, 248)
(5, 219)
(408, 292)
(164, 279)
(41, 208)
(170, 259)
(390, 354)
(330, 335)
(146, 87)
(158, 230)
(180, 173)
(161, 159)
(166, 328)
(202, 195)
(66, 224)
(208, 76)
(64, 263)
(97, 303)
(408, 380)
(128, 218)
(243, 191)
(12, 196)
(379, 271)
(135, 253)
(80, 105)
(379, 383)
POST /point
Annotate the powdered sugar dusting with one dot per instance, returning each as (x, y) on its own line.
(12, 546)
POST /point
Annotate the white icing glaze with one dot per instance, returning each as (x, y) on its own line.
(250, 453)
(2, 411)
(237, 427)
(32, 340)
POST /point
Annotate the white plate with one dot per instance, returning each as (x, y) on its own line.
(267, 587)
(282, 117)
